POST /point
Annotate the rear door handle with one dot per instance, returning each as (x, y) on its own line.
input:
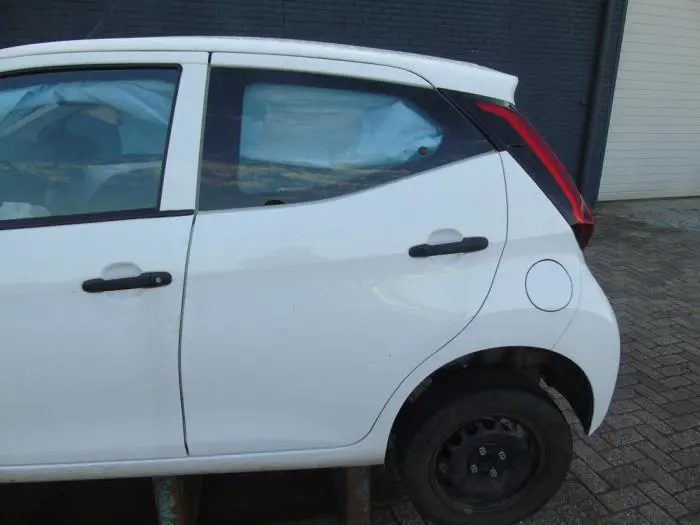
(466, 245)
(145, 280)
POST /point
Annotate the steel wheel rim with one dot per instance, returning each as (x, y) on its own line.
(483, 465)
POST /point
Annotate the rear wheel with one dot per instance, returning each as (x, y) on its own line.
(486, 457)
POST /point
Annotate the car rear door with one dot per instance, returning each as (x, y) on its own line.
(314, 281)
(95, 225)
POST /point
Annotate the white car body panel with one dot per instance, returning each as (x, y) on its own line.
(536, 231)
(102, 383)
(320, 65)
(259, 392)
(441, 72)
(317, 285)
(567, 333)
(186, 133)
(592, 341)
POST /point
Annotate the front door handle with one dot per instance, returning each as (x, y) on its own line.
(466, 245)
(145, 280)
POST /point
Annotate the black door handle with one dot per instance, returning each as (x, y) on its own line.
(466, 245)
(145, 280)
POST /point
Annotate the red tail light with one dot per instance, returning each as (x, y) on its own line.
(569, 200)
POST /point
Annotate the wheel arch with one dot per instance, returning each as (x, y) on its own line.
(520, 367)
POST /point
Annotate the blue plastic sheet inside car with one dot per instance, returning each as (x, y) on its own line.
(330, 128)
(26, 115)
(150, 100)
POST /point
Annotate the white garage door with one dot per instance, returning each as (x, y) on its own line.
(653, 147)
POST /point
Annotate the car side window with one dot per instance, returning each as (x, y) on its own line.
(76, 143)
(280, 137)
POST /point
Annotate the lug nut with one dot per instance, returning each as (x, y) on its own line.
(474, 469)
(493, 473)
(482, 451)
(502, 456)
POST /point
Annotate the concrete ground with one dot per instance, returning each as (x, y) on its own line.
(642, 467)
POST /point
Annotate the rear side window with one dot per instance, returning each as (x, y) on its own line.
(274, 137)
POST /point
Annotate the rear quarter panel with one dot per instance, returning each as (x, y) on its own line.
(536, 231)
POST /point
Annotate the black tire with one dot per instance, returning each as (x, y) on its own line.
(430, 466)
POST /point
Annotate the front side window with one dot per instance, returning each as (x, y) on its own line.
(274, 137)
(76, 143)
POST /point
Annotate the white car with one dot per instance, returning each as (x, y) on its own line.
(236, 254)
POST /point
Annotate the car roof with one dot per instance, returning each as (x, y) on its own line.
(440, 72)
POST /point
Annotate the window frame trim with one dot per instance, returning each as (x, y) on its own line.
(90, 218)
(296, 69)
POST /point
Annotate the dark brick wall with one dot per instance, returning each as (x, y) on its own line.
(552, 45)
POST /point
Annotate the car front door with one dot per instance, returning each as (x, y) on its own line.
(95, 226)
(304, 310)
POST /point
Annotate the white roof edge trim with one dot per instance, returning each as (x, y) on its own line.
(319, 65)
(440, 72)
